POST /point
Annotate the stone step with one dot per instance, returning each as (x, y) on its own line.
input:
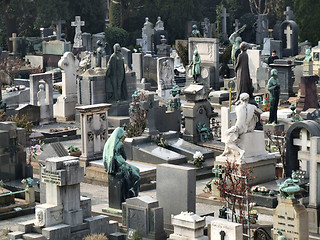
(34, 236)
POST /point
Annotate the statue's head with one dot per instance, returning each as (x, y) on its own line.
(116, 48)
(244, 97)
(41, 87)
(196, 53)
(194, 27)
(244, 46)
(147, 19)
(159, 18)
(274, 72)
(99, 42)
(238, 40)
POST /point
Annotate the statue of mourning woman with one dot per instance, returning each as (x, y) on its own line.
(195, 66)
(274, 89)
(116, 85)
(236, 40)
(114, 160)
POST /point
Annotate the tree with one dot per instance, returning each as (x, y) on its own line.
(308, 18)
(259, 6)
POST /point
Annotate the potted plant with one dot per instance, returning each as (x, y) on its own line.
(74, 151)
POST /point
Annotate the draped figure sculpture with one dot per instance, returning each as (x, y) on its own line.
(114, 161)
(116, 85)
(274, 89)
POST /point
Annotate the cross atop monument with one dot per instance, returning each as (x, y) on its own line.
(288, 33)
(78, 36)
(224, 16)
(58, 27)
(289, 14)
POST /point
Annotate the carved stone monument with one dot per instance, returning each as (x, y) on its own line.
(165, 74)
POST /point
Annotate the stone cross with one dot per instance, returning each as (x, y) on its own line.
(289, 14)
(288, 33)
(149, 106)
(14, 40)
(224, 16)
(236, 24)
(78, 36)
(314, 160)
(58, 27)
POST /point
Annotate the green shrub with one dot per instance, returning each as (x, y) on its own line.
(22, 123)
(183, 54)
(115, 35)
(115, 14)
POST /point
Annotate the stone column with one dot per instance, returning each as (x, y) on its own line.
(94, 130)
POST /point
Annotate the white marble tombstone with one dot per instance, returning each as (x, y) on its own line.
(64, 109)
(165, 76)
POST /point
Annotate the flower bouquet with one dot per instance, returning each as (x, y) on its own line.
(198, 159)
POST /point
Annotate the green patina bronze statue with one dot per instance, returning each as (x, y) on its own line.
(195, 66)
(195, 32)
(114, 160)
(274, 89)
(116, 85)
(236, 40)
(308, 57)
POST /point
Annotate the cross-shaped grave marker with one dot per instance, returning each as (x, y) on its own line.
(313, 156)
(14, 40)
(58, 27)
(288, 33)
(224, 16)
(78, 36)
(289, 14)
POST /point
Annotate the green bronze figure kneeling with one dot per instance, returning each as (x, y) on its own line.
(114, 160)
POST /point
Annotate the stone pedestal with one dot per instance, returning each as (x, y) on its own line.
(255, 157)
(188, 225)
(307, 68)
(275, 129)
(197, 112)
(220, 228)
(291, 218)
(94, 130)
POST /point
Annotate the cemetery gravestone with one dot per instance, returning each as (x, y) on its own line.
(94, 130)
(289, 35)
(59, 27)
(77, 38)
(208, 49)
(65, 215)
(174, 198)
(48, 103)
(64, 109)
(291, 218)
(144, 213)
(315, 53)
(165, 76)
(188, 225)
(86, 41)
(262, 28)
(254, 63)
(219, 227)
(224, 16)
(277, 46)
(13, 163)
(137, 66)
(309, 97)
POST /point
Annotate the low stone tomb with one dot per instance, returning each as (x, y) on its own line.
(223, 229)
(188, 225)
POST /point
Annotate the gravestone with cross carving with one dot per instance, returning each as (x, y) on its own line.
(289, 32)
(64, 109)
(78, 34)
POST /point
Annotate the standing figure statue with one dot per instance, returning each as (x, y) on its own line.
(114, 161)
(195, 66)
(244, 82)
(100, 53)
(274, 89)
(116, 85)
(246, 122)
(235, 40)
(308, 57)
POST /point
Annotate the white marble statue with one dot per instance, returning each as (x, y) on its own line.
(41, 95)
(246, 122)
